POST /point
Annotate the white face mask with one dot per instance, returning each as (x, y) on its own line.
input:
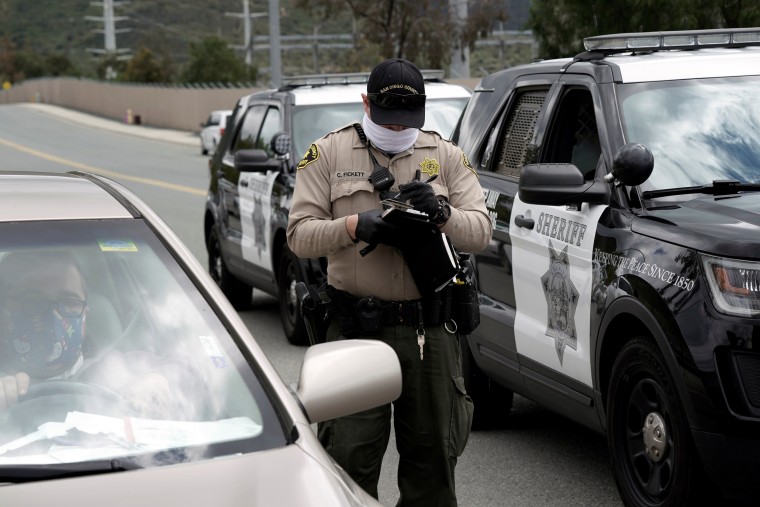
(387, 140)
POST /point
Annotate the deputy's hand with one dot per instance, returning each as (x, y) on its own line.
(372, 229)
(421, 195)
(11, 387)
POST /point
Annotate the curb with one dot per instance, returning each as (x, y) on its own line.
(173, 136)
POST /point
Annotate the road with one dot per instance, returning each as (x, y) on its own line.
(541, 459)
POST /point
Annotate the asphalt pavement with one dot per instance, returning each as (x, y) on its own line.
(174, 136)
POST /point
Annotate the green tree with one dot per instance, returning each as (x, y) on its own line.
(60, 65)
(422, 31)
(561, 25)
(212, 61)
(144, 67)
(7, 63)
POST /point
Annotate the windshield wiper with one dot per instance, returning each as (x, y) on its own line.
(717, 187)
(31, 473)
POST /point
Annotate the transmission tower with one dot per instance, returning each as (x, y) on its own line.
(109, 32)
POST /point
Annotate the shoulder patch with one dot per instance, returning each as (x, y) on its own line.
(467, 164)
(310, 156)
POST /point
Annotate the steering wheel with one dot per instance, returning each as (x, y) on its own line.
(62, 387)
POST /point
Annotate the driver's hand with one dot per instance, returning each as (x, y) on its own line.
(11, 387)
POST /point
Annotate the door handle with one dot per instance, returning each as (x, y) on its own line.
(521, 221)
(244, 183)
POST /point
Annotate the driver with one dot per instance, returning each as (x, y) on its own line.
(43, 309)
(43, 315)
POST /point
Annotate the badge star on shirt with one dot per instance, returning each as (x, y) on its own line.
(430, 166)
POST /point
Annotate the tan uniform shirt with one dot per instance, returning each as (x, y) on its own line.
(331, 184)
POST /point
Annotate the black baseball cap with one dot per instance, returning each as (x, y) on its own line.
(396, 92)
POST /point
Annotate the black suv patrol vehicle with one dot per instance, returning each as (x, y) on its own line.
(252, 177)
(622, 284)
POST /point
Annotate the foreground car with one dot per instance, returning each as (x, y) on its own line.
(252, 176)
(620, 287)
(167, 399)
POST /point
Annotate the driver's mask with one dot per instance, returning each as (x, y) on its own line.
(44, 338)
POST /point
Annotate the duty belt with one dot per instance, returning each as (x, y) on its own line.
(394, 313)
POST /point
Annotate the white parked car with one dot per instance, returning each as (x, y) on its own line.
(212, 130)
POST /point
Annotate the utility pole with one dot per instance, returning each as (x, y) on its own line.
(275, 62)
(460, 53)
(247, 30)
(109, 32)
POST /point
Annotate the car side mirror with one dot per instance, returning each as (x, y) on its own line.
(632, 165)
(558, 184)
(251, 160)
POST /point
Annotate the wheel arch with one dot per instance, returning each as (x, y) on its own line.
(625, 319)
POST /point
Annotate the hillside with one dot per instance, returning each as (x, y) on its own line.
(167, 28)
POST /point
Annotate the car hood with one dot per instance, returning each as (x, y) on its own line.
(724, 225)
(284, 476)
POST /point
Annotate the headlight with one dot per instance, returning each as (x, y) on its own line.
(734, 285)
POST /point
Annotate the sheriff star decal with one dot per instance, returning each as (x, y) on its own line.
(430, 166)
(561, 301)
(310, 156)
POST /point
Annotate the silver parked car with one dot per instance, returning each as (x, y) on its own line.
(212, 130)
(128, 378)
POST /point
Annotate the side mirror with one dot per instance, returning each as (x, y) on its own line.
(347, 376)
(558, 184)
(632, 165)
(251, 160)
(281, 143)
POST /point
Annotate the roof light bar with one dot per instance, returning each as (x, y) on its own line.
(349, 78)
(685, 39)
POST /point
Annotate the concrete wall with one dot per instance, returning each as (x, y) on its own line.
(158, 106)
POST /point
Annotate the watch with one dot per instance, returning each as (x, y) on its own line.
(443, 214)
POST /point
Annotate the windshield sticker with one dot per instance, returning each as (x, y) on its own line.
(214, 351)
(117, 245)
(643, 268)
(561, 301)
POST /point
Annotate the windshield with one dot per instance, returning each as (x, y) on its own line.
(699, 130)
(312, 122)
(122, 356)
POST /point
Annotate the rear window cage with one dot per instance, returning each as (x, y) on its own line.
(514, 147)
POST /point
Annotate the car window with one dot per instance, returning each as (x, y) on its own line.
(135, 363)
(249, 129)
(573, 134)
(441, 115)
(698, 130)
(513, 143)
(270, 127)
(312, 122)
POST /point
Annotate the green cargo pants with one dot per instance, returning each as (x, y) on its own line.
(431, 418)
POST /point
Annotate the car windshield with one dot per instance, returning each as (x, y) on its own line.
(312, 122)
(699, 130)
(124, 357)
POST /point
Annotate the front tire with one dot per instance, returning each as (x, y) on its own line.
(289, 273)
(493, 403)
(653, 455)
(237, 292)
